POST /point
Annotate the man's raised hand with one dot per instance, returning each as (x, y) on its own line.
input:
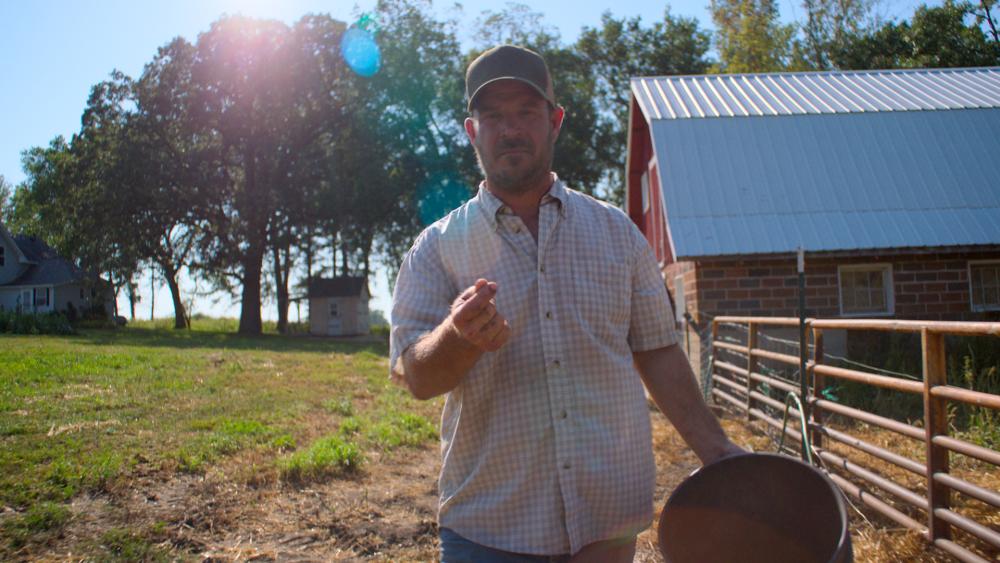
(475, 318)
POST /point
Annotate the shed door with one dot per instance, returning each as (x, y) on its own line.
(333, 324)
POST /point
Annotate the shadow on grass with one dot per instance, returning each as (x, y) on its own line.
(227, 340)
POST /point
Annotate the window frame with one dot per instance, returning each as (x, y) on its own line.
(887, 281)
(972, 304)
(333, 309)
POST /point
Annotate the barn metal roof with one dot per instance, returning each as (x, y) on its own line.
(876, 160)
(802, 93)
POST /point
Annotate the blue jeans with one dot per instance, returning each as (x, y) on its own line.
(456, 549)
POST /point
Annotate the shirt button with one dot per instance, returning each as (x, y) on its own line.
(556, 363)
(566, 465)
(541, 269)
(548, 314)
(517, 229)
(563, 414)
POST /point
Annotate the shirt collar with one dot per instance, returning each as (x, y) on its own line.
(493, 206)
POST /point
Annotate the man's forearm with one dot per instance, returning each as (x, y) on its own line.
(438, 362)
(670, 381)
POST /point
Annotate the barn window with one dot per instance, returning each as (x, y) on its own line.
(334, 310)
(984, 285)
(866, 289)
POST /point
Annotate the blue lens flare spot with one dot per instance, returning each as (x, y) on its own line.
(438, 197)
(360, 51)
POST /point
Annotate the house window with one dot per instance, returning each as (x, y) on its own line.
(334, 310)
(984, 285)
(41, 297)
(866, 290)
(2, 259)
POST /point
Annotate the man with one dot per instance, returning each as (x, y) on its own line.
(533, 306)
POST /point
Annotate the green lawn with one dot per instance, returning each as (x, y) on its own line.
(79, 413)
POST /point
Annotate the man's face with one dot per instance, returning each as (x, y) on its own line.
(513, 130)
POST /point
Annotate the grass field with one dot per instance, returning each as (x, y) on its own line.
(149, 444)
(82, 415)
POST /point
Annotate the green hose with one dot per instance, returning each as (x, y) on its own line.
(806, 445)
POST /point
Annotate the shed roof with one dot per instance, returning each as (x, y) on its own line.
(918, 170)
(342, 286)
(802, 93)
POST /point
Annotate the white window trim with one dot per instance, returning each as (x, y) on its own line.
(644, 183)
(887, 280)
(972, 306)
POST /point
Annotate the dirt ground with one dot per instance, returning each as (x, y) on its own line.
(384, 513)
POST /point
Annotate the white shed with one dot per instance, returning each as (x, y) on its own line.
(339, 306)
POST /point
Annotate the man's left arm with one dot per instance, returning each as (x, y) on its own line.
(667, 375)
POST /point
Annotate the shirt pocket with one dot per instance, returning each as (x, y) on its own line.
(602, 294)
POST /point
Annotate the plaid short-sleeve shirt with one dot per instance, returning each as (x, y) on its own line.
(546, 443)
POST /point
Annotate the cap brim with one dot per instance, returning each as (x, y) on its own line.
(534, 87)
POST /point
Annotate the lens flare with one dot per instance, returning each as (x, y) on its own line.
(360, 51)
(438, 196)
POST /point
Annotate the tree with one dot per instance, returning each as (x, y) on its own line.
(949, 35)
(750, 37)
(248, 99)
(830, 26)
(623, 48)
(6, 197)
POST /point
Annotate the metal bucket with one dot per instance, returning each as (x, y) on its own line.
(756, 508)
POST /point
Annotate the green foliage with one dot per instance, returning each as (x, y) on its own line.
(39, 519)
(121, 544)
(342, 406)
(325, 457)
(402, 429)
(36, 323)
(750, 36)
(949, 35)
(349, 426)
(972, 363)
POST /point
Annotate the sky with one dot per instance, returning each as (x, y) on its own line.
(52, 52)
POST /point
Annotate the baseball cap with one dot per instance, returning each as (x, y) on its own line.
(508, 62)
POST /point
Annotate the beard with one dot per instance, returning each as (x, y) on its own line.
(522, 177)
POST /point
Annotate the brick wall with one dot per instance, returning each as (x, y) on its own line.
(930, 286)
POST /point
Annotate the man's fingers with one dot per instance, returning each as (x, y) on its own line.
(498, 335)
(475, 304)
(471, 290)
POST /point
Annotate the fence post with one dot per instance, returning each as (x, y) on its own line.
(751, 363)
(817, 388)
(935, 424)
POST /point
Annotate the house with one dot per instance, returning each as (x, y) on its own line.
(35, 279)
(338, 306)
(888, 180)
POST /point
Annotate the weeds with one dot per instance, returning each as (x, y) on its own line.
(402, 429)
(41, 518)
(325, 457)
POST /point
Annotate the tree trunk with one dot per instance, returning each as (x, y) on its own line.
(152, 294)
(130, 292)
(180, 315)
(281, 289)
(252, 262)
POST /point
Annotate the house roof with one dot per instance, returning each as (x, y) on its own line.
(342, 286)
(48, 267)
(890, 159)
(804, 93)
(6, 234)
